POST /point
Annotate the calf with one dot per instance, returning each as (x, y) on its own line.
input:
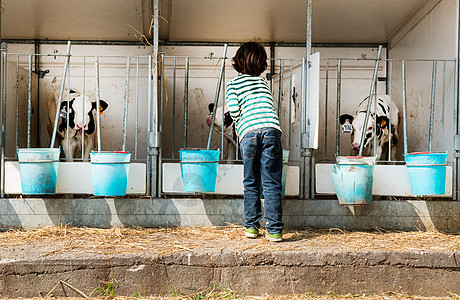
(381, 128)
(229, 130)
(80, 114)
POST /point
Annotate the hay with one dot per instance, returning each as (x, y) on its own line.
(163, 241)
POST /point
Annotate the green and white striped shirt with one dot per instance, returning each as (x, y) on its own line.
(250, 104)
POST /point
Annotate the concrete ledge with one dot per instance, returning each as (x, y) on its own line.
(275, 272)
(147, 212)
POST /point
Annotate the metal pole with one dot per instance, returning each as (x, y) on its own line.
(154, 140)
(366, 119)
(61, 91)
(17, 102)
(3, 133)
(149, 125)
(29, 102)
(136, 134)
(216, 98)
(125, 108)
(390, 76)
(433, 95)
(280, 87)
(290, 104)
(174, 111)
(326, 96)
(83, 105)
(98, 107)
(455, 133)
(160, 123)
(303, 171)
(339, 100)
(403, 79)
(68, 114)
(443, 102)
(186, 100)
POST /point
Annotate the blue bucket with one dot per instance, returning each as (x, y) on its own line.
(199, 169)
(38, 168)
(427, 173)
(353, 180)
(110, 172)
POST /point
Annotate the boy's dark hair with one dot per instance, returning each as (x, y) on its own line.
(250, 59)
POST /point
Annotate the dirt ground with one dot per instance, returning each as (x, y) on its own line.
(61, 241)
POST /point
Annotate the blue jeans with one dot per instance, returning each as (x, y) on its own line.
(263, 161)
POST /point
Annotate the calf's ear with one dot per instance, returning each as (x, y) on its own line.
(345, 117)
(211, 107)
(102, 103)
(382, 122)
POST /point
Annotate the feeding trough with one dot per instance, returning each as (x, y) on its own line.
(109, 170)
(38, 169)
(353, 179)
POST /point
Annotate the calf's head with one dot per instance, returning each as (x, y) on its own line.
(357, 122)
(81, 114)
(218, 119)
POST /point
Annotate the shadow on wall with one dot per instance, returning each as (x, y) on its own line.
(442, 215)
(147, 212)
(79, 212)
(8, 215)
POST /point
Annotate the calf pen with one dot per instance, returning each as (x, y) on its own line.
(158, 121)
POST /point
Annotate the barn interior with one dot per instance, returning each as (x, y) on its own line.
(189, 37)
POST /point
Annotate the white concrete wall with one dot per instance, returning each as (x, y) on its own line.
(431, 36)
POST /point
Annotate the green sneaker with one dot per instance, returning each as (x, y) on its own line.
(251, 233)
(274, 237)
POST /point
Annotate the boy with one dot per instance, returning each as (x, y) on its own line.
(250, 104)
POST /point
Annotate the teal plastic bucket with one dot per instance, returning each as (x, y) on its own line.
(283, 175)
(353, 179)
(427, 173)
(38, 168)
(109, 171)
(199, 169)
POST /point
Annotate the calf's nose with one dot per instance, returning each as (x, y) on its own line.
(209, 120)
(355, 146)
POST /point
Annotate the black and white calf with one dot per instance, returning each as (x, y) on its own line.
(80, 113)
(381, 128)
(229, 130)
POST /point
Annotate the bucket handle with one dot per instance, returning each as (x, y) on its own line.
(38, 161)
(425, 165)
(199, 162)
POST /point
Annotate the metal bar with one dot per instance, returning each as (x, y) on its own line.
(155, 180)
(61, 91)
(29, 102)
(306, 134)
(443, 103)
(186, 100)
(290, 104)
(3, 133)
(280, 88)
(136, 134)
(455, 130)
(125, 107)
(272, 64)
(374, 128)
(187, 43)
(216, 98)
(160, 122)
(149, 125)
(223, 121)
(366, 119)
(83, 96)
(68, 114)
(303, 172)
(174, 111)
(98, 107)
(17, 104)
(403, 79)
(326, 99)
(339, 100)
(433, 95)
(390, 89)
